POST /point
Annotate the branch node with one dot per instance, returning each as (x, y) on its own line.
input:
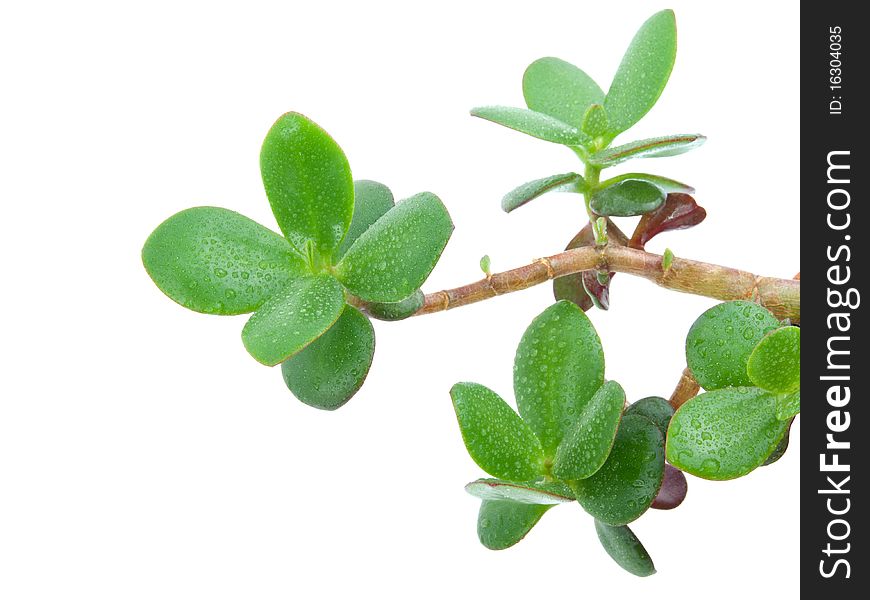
(445, 302)
(551, 273)
(754, 293)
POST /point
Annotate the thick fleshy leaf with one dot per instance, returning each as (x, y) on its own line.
(329, 371)
(535, 124)
(308, 182)
(496, 437)
(643, 72)
(668, 186)
(725, 433)
(565, 182)
(595, 123)
(574, 287)
(673, 491)
(775, 363)
(396, 311)
(559, 89)
(625, 487)
(559, 365)
(679, 211)
(781, 447)
(502, 523)
(788, 405)
(625, 549)
(721, 340)
(392, 258)
(658, 147)
(215, 261)
(656, 409)
(587, 444)
(627, 198)
(525, 493)
(371, 201)
(293, 318)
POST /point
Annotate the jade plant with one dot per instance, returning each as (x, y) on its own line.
(349, 252)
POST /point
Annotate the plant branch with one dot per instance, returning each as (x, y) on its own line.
(686, 389)
(781, 296)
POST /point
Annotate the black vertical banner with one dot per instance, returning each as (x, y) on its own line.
(835, 370)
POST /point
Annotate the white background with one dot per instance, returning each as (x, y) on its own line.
(143, 454)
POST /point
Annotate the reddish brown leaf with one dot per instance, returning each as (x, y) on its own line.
(679, 211)
(574, 287)
(596, 290)
(673, 490)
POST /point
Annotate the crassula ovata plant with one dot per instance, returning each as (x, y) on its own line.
(350, 252)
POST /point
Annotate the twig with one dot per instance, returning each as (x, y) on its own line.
(781, 296)
(686, 388)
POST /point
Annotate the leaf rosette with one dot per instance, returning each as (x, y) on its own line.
(344, 243)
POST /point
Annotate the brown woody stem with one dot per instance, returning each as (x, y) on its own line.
(686, 388)
(781, 296)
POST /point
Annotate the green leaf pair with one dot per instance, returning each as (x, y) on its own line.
(566, 106)
(559, 385)
(570, 439)
(750, 365)
(341, 238)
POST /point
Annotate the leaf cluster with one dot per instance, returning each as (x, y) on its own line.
(346, 244)
(566, 106)
(749, 364)
(572, 439)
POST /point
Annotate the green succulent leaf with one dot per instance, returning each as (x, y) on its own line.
(391, 259)
(215, 261)
(775, 363)
(559, 365)
(331, 369)
(485, 264)
(308, 182)
(658, 147)
(372, 200)
(788, 405)
(625, 487)
(625, 549)
(559, 89)
(725, 433)
(502, 523)
(587, 444)
(667, 260)
(781, 447)
(721, 340)
(595, 123)
(643, 72)
(656, 409)
(496, 437)
(627, 198)
(525, 493)
(535, 124)
(396, 311)
(668, 186)
(565, 182)
(293, 318)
